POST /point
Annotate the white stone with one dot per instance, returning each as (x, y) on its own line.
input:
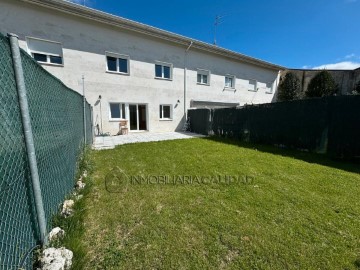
(85, 173)
(56, 259)
(56, 233)
(67, 208)
(80, 184)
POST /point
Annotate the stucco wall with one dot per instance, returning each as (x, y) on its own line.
(85, 42)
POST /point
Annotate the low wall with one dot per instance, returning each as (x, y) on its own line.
(345, 79)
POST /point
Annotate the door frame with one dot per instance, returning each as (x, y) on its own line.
(137, 116)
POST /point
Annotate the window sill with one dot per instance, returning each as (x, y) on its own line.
(204, 84)
(163, 79)
(49, 64)
(117, 73)
(232, 89)
(116, 120)
(165, 119)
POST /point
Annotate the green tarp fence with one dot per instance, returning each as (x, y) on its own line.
(325, 125)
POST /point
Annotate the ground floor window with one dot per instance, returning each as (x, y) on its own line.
(165, 112)
(117, 111)
(136, 114)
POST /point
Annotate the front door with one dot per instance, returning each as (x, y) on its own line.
(137, 117)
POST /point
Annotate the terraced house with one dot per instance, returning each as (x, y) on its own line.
(133, 71)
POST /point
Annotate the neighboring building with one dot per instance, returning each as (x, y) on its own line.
(146, 75)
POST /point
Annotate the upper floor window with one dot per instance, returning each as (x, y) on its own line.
(163, 71)
(269, 87)
(45, 51)
(252, 85)
(203, 76)
(117, 63)
(230, 81)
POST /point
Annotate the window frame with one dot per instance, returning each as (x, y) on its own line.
(122, 117)
(164, 64)
(47, 54)
(271, 88)
(161, 110)
(203, 72)
(256, 85)
(233, 77)
(118, 56)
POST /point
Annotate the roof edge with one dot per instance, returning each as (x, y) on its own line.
(106, 18)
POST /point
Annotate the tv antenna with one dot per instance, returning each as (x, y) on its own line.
(218, 21)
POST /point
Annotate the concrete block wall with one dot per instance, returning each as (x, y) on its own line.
(345, 79)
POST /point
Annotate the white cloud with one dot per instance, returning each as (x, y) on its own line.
(340, 65)
(306, 67)
(349, 56)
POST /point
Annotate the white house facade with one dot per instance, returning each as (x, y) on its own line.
(133, 71)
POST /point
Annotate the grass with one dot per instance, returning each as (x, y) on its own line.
(300, 212)
(74, 225)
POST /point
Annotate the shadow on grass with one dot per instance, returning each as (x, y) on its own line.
(309, 157)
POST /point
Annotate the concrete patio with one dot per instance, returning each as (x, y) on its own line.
(109, 142)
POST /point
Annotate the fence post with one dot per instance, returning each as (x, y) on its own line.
(83, 85)
(29, 139)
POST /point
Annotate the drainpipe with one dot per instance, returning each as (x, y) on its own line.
(185, 86)
(84, 113)
(28, 134)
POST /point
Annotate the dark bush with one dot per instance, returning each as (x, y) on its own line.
(322, 85)
(289, 87)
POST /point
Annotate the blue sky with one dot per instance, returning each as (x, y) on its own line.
(291, 33)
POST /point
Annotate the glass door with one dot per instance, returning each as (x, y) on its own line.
(138, 117)
(133, 117)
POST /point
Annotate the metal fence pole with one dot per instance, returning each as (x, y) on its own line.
(29, 140)
(92, 123)
(83, 85)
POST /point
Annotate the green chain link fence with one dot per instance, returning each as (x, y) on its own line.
(56, 114)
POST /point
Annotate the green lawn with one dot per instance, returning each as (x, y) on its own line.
(290, 213)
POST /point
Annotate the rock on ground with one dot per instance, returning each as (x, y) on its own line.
(56, 259)
(56, 233)
(67, 208)
(80, 184)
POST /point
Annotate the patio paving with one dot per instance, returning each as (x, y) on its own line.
(110, 142)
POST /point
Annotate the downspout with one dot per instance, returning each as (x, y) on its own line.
(84, 112)
(185, 71)
(28, 134)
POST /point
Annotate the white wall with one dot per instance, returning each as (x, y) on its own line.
(84, 45)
